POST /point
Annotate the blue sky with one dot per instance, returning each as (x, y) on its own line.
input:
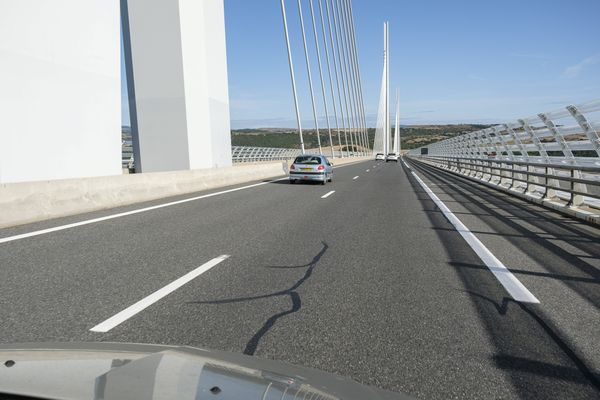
(453, 61)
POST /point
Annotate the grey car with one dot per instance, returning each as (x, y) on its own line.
(310, 167)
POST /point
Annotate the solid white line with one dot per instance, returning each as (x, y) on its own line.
(512, 285)
(139, 210)
(123, 214)
(156, 296)
(356, 177)
(328, 194)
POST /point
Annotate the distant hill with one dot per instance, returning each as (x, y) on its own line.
(277, 137)
(412, 136)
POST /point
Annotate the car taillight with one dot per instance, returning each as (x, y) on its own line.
(292, 166)
(320, 168)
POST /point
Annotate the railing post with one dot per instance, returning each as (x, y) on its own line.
(490, 170)
(517, 142)
(550, 193)
(571, 195)
(553, 182)
(564, 145)
(493, 175)
(527, 185)
(545, 182)
(538, 144)
(504, 174)
(576, 199)
(512, 176)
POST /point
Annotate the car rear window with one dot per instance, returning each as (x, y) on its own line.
(307, 160)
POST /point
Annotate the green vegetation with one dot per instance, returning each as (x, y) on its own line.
(283, 138)
(413, 136)
(273, 139)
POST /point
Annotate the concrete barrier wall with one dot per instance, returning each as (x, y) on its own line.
(27, 202)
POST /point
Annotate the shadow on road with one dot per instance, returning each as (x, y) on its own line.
(538, 245)
(582, 374)
(538, 359)
(287, 182)
(530, 273)
(253, 343)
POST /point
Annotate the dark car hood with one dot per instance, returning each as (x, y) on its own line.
(138, 371)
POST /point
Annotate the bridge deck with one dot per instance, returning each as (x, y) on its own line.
(371, 281)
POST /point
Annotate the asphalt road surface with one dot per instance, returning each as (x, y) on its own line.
(371, 281)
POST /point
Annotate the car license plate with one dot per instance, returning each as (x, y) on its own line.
(306, 169)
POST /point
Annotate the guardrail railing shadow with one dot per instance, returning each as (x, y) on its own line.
(569, 188)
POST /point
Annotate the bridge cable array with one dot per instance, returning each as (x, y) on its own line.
(341, 52)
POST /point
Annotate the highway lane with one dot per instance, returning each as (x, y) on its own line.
(371, 282)
(147, 249)
(556, 257)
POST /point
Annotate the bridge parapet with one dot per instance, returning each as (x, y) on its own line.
(567, 136)
(552, 158)
(242, 154)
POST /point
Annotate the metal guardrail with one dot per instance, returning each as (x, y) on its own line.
(126, 154)
(554, 155)
(577, 185)
(239, 154)
(568, 136)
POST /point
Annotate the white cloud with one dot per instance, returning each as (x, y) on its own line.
(574, 70)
